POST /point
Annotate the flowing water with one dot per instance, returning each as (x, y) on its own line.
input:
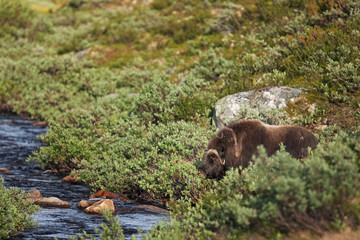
(18, 139)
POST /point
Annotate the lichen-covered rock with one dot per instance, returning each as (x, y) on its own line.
(228, 109)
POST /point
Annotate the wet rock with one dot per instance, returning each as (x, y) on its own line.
(145, 208)
(99, 206)
(40, 124)
(14, 179)
(85, 203)
(70, 179)
(5, 171)
(50, 202)
(105, 194)
(34, 193)
(228, 108)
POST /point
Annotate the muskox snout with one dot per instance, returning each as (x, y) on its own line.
(201, 171)
(202, 167)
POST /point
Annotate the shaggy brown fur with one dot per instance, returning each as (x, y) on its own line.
(234, 145)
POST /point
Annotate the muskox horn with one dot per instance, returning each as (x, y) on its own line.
(222, 161)
(213, 151)
(220, 135)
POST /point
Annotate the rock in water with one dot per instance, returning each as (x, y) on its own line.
(149, 209)
(5, 171)
(34, 193)
(50, 202)
(105, 194)
(70, 179)
(85, 203)
(228, 108)
(97, 207)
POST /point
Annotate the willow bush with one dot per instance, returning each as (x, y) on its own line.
(15, 214)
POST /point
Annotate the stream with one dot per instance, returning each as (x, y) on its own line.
(18, 139)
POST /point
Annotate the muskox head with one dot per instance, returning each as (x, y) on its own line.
(212, 165)
(223, 152)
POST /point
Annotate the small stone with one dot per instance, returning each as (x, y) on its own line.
(50, 202)
(105, 194)
(97, 207)
(70, 179)
(5, 171)
(85, 203)
(40, 124)
(34, 193)
(149, 209)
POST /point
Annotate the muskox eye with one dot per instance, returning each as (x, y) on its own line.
(221, 151)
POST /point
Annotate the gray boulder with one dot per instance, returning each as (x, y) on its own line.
(82, 55)
(261, 101)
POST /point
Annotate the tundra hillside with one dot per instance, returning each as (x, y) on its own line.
(128, 89)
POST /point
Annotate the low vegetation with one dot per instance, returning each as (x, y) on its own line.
(128, 89)
(15, 214)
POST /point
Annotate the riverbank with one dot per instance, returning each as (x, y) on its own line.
(18, 139)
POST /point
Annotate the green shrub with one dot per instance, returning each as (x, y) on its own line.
(166, 232)
(156, 101)
(15, 50)
(128, 28)
(161, 4)
(225, 76)
(59, 85)
(156, 161)
(14, 14)
(182, 21)
(228, 19)
(136, 76)
(212, 66)
(15, 211)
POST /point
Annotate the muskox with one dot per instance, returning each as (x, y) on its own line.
(236, 144)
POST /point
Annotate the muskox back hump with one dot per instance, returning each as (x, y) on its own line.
(298, 140)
